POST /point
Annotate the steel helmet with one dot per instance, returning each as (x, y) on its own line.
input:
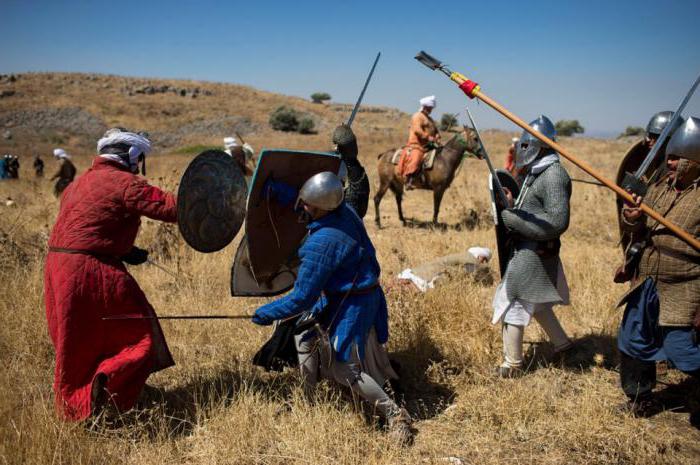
(528, 147)
(685, 142)
(658, 122)
(323, 190)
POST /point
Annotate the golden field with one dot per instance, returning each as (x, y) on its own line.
(216, 408)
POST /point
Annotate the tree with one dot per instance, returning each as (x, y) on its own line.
(448, 121)
(306, 125)
(633, 131)
(568, 127)
(320, 97)
(284, 119)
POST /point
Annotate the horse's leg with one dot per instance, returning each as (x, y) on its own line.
(383, 186)
(398, 193)
(438, 192)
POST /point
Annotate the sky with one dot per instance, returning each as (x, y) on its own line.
(609, 64)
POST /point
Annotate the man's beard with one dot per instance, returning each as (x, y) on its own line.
(687, 173)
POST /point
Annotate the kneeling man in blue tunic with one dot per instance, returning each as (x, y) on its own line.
(662, 313)
(347, 324)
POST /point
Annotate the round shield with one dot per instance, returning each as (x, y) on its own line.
(211, 201)
(630, 163)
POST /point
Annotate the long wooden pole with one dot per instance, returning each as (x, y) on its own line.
(473, 90)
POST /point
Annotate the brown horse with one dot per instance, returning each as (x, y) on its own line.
(437, 179)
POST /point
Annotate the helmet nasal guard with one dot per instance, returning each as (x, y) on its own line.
(528, 148)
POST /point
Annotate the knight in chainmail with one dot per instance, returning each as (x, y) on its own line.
(357, 183)
(534, 280)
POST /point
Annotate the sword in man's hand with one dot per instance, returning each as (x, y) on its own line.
(362, 94)
(496, 181)
(178, 317)
(633, 182)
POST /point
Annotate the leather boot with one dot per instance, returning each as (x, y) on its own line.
(400, 427)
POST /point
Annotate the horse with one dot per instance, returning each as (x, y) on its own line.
(437, 179)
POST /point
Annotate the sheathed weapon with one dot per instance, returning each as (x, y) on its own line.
(633, 182)
(473, 90)
(362, 94)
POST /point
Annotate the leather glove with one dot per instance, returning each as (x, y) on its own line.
(136, 256)
(259, 318)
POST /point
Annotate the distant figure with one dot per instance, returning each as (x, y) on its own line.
(240, 153)
(65, 174)
(510, 157)
(38, 166)
(422, 136)
(12, 166)
(3, 167)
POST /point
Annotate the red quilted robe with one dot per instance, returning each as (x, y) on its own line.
(98, 222)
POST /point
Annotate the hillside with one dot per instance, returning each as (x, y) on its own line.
(214, 407)
(41, 110)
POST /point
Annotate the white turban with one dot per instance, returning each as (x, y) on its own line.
(138, 145)
(230, 142)
(428, 101)
(60, 153)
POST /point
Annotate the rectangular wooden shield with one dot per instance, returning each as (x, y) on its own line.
(273, 230)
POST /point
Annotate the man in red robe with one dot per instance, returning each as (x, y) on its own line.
(99, 362)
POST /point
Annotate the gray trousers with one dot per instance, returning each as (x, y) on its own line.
(317, 360)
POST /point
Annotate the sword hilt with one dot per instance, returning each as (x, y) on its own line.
(633, 184)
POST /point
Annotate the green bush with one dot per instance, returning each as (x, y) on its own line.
(568, 127)
(284, 119)
(320, 97)
(448, 121)
(306, 126)
(633, 131)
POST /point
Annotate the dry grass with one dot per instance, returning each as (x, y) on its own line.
(217, 408)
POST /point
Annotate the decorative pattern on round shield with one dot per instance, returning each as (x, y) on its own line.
(211, 201)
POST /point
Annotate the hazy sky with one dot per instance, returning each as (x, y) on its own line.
(608, 64)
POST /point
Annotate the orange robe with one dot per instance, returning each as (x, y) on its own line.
(422, 131)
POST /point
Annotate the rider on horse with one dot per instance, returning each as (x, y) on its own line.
(422, 135)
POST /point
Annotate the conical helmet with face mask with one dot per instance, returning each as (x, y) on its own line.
(529, 148)
(685, 142)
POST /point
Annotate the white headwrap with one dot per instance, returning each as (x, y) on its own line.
(428, 101)
(138, 145)
(230, 142)
(60, 153)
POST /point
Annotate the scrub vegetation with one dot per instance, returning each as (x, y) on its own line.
(214, 407)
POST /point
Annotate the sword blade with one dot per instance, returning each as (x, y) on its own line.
(178, 317)
(665, 133)
(496, 181)
(362, 94)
